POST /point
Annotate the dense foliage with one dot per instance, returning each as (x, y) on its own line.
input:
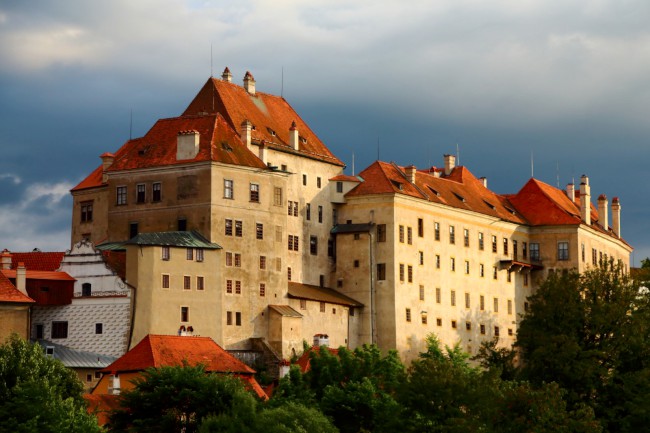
(38, 393)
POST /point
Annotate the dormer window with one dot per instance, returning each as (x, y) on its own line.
(490, 205)
(397, 185)
(225, 146)
(303, 140)
(272, 132)
(433, 191)
(460, 197)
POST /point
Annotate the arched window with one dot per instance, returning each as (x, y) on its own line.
(86, 289)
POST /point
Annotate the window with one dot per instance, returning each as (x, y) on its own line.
(482, 327)
(409, 235)
(401, 234)
(320, 214)
(438, 295)
(420, 227)
(424, 319)
(237, 287)
(237, 318)
(468, 326)
(510, 332)
(121, 195)
(357, 236)
(304, 179)
(228, 317)
(408, 314)
(59, 330)
(534, 251)
(254, 193)
(466, 267)
(410, 273)
(594, 255)
(86, 211)
(290, 207)
(293, 242)
(187, 282)
(421, 293)
(381, 232)
(133, 230)
(322, 307)
(467, 303)
(421, 257)
(303, 304)
(496, 305)
(239, 229)
(505, 246)
(156, 192)
(229, 286)
(582, 252)
(308, 212)
(277, 196)
(330, 247)
(339, 187)
(381, 271)
(189, 255)
(200, 284)
(356, 263)
(289, 274)
(481, 270)
(165, 281)
(436, 231)
(453, 264)
(140, 193)
(321, 281)
(237, 260)
(514, 249)
(481, 245)
(439, 321)
(482, 302)
(494, 272)
(453, 298)
(524, 249)
(401, 272)
(452, 235)
(262, 289)
(259, 231)
(437, 261)
(525, 280)
(526, 307)
(453, 324)
(86, 289)
(99, 328)
(563, 251)
(182, 224)
(228, 228)
(199, 254)
(509, 276)
(466, 237)
(313, 245)
(509, 306)
(262, 262)
(318, 182)
(494, 244)
(228, 189)
(228, 258)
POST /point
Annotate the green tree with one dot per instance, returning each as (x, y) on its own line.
(173, 399)
(38, 393)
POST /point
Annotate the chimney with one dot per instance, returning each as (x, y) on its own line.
(603, 214)
(585, 200)
(410, 173)
(249, 83)
(571, 191)
(616, 216)
(21, 278)
(187, 145)
(262, 153)
(484, 180)
(450, 163)
(5, 259)
(293, 136)
(245, 132)
(226, 75)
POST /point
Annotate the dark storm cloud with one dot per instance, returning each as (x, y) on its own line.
(566, 81)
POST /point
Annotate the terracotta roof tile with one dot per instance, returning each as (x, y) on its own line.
(9, 293)
(345, 177)
(304, 362)
(37, 260)
(272, 117)
(39, 275)
(93, 180)
(543, 204)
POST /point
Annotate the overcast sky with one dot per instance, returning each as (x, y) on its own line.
(566, 81)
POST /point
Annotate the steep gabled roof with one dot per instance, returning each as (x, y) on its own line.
(9, 293)
(168, 350)
(271, 115)
(93, 180)
(543, 204)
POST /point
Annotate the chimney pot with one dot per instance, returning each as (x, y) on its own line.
(294, 141)
(410, 173)
(450, 163)
(616, 216)
(21, 278)
(571, 191)
(249, 83)
(245, 132)
(603, 214)
(5, 259)
(226, 75)
(585, 200)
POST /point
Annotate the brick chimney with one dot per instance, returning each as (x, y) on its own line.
(450, 163)
(616, 216)
(410, 173)
(294, 140)
(107, 161)
(226, 75)
(21, 278)
(5, 259)
(603, 214)
(245, 132)
(571, 191)
(187, 145)
(249, 83)
(585, 200)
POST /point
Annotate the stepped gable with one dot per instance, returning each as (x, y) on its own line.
(271, 115)
(9, 293)
(38, 260)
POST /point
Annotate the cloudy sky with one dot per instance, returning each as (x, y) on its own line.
(566, 81)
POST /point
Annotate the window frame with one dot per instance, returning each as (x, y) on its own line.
(228, 189)
(254, 192)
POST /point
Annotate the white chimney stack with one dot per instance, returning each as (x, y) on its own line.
(249, 83)
(450, 163)
(226, 75)
(21, 278)
(187, 145)
(245, 132)
(585, 200)
(484, 180)
(603, 213)
(294, 139)
(5, 261)
(616, 216)
(571, 191)
(410, 173)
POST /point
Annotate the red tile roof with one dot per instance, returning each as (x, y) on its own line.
(345, 177)
(304, 362)
(271, 116)
(101, 405)
(40, 275)
(37, 260)
(93, 180)
(9, 293)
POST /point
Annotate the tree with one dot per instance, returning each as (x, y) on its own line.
(38, 393)
(179, 398)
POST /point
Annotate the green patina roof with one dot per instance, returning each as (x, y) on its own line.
(191, 239)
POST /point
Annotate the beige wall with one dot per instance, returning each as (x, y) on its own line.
(97, 229)
(14, 319)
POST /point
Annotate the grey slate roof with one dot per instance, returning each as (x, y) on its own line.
(191, 239)
(76, 359)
